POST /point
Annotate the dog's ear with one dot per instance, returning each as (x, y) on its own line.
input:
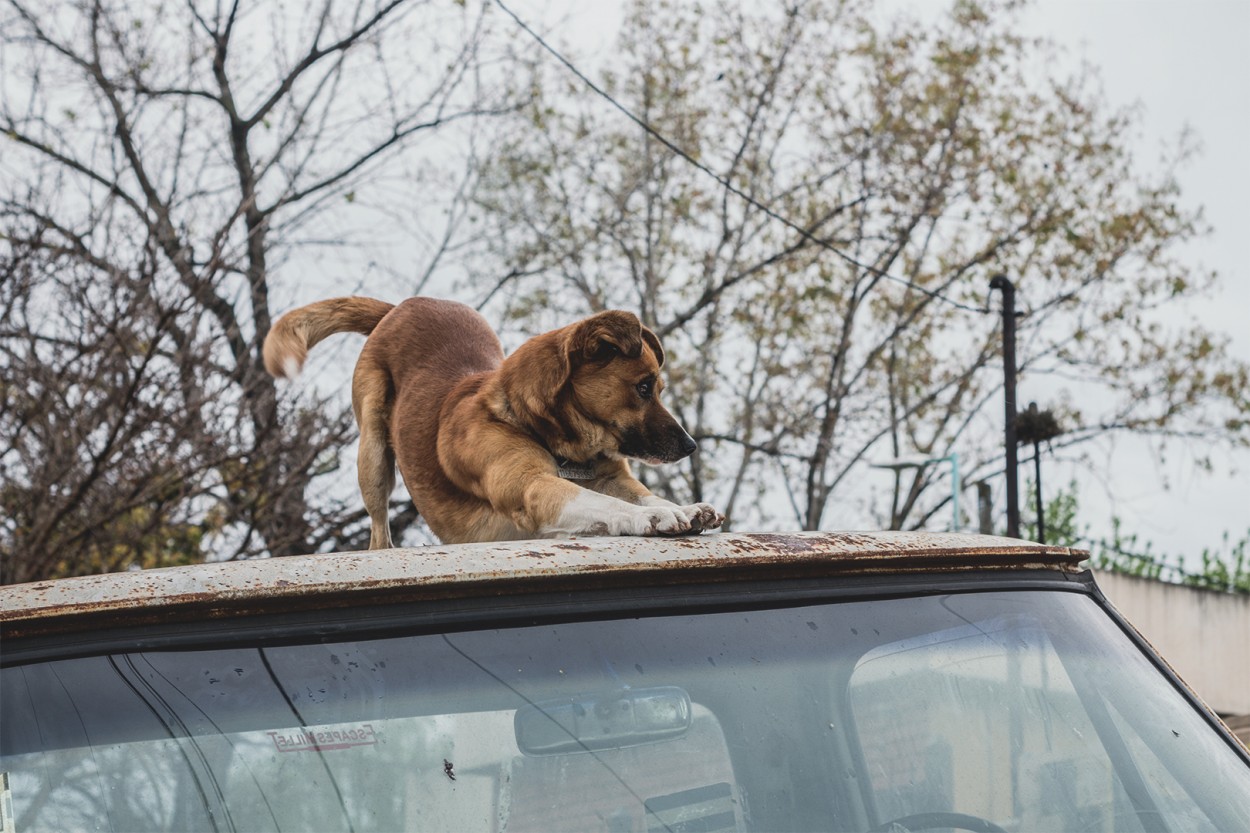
(653, 341)
(534, 374)
(602, 336)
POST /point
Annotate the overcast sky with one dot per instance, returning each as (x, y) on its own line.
(1187, 62)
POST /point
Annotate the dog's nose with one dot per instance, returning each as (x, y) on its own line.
(688, 445)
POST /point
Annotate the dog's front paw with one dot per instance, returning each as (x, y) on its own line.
(701, 516)
(666, 520)
(694, 518)
(643, 521)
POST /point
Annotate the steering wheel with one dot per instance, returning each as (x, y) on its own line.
(928, 821)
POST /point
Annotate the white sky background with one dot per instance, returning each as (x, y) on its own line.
(1187, 62)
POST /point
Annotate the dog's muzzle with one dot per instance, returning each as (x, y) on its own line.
(667, 446)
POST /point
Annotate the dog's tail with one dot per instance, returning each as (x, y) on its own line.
(289, 340)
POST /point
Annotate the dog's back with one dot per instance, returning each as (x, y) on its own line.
(431, 353)
(432, 344)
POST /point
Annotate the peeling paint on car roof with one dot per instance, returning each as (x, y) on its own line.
(494, 569)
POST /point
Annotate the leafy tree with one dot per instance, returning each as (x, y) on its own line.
(915, 161)
(161, 163)
(164, 163)
(98, 462)
(1226, 568)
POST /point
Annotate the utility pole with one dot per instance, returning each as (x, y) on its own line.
(1036, 427)
(1037, 488)
(985, 509)
(1005, 286)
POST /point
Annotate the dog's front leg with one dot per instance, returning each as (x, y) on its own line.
(592, 513)
(621, 483)
(523, 486)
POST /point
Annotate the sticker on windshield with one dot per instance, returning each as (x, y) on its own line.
(322, 738)
(6, 805)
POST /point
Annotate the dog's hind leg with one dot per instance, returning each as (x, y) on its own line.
(375, 463)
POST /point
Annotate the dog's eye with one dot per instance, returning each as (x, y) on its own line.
(645, 389)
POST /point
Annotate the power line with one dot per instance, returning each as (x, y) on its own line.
(726, 184)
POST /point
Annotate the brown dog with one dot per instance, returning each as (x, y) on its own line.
(494, 448)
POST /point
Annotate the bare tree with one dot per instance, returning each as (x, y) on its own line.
(811, 218)
(161, 161)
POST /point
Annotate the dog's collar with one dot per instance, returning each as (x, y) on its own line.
(566, 468)
(569, 470)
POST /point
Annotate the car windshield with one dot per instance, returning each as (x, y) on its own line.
(1014, 711)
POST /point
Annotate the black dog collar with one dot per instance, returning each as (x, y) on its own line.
(569, 470)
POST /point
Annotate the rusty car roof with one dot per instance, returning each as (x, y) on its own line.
(496, 569)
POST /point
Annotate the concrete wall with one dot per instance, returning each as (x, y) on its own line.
(1204, 635)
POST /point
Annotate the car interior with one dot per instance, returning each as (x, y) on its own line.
(1000, 711)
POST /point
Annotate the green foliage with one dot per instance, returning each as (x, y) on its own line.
(1226, 568)
(1125, 553)
(142, 538)
(1060, 514)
